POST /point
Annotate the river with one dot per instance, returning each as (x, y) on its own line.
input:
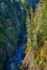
(16, 59)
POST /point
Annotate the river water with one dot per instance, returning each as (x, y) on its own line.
(15, 60)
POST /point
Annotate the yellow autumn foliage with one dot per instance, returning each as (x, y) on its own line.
(43, 50)
(35, 20)
(1, 25)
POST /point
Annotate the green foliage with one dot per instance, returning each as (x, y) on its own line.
(0, 66)
(37, 32)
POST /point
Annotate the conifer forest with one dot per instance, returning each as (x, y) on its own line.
(23, 34)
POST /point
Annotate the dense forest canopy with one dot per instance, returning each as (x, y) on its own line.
(23, 34)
